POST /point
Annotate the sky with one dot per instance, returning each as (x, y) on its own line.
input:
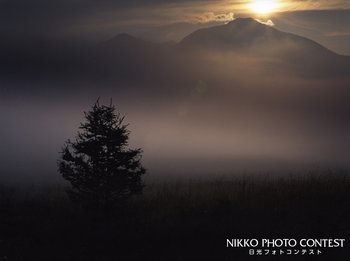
(91, 21)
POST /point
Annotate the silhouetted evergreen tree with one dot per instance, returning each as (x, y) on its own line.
(101, 168)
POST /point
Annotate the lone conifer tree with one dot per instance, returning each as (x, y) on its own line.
(101, 168)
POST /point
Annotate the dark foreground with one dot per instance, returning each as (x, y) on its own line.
(178, 221)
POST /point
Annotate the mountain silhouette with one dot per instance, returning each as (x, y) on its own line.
(246, 33)
(245, 37)
(251, 38)
(129, 58)
(124, 56)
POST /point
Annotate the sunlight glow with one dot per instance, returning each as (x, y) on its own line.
(263, 6)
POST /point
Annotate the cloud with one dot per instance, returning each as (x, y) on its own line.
(212, 17)
(268, 22)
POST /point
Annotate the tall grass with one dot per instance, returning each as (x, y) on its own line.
(175, 221)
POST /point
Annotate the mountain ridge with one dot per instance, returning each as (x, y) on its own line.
(243, 37)
(242, 33)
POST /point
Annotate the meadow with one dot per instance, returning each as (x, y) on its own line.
(184, 220)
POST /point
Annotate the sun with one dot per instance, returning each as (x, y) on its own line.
(263, 7)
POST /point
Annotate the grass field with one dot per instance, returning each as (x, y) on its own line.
(187, 220)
